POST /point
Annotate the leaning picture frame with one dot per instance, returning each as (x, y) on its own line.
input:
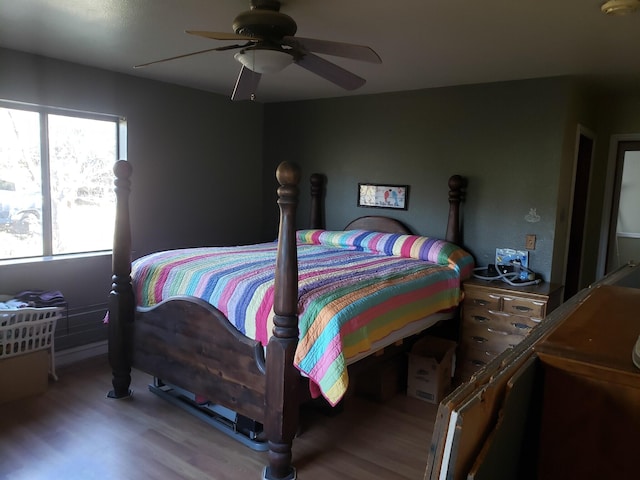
(383, 196)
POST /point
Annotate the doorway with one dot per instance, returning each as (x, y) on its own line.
(623, 229)
(581, 179)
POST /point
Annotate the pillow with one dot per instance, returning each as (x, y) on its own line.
(429, 249)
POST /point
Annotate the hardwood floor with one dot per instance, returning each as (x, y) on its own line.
(74, 432)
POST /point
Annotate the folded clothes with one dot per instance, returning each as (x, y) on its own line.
(42, 298)
(13, 304)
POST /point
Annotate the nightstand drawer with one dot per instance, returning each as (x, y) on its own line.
(475, 298)
(490, 319)
(473, 360)
(479, 346)
(466, 369)
(492, 338)
(478, 357)
(524, 306)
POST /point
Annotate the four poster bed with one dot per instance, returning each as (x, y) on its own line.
(278, 336)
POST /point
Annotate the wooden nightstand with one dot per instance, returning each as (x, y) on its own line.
(497, 316)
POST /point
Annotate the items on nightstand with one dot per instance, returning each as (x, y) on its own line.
(511, 266)
(516, 274)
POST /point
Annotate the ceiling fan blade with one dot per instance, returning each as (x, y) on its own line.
(246, 85)
(330, 71)
(337, 49)
(226, 47)
(220, 35)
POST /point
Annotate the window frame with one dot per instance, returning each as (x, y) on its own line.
(47, 221)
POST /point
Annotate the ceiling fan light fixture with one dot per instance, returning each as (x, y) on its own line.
(620, 7)
(264, 60)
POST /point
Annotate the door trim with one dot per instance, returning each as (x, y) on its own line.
(612, 161)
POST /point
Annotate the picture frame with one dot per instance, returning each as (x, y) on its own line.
(377, 195)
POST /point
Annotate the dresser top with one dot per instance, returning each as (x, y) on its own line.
(597, 338)
(542, 288)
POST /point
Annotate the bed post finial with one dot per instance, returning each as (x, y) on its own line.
(282, 398)
(288, 174)
(317, 181)
(457, 185)
(121, 301)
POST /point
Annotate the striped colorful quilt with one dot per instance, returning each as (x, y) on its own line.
(355, 288)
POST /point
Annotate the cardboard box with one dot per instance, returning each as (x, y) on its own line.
(24, 375)
(383, 381)
(431, 365)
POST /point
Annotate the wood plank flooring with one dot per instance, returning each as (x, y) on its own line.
(74, 432)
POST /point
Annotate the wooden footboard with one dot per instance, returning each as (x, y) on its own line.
(191, 344)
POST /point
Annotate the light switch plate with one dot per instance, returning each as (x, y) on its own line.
(530, 242)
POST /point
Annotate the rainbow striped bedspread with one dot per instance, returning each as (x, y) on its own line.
(355, 287)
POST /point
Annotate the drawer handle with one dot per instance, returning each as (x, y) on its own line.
(479, 301)
(521, 326)
(480, 318)
(535, 302)
(478, 363)
(499, 332)
(479, 339)
(522, 308)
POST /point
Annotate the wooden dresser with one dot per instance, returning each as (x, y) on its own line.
(590, 425)
(497, 316)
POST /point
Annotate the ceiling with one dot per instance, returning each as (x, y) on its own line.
(422, 43)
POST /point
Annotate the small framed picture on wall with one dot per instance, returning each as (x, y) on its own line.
(383, 196)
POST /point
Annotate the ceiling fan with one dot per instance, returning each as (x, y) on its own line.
(270, 45)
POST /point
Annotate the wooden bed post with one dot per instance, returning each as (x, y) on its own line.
(457, 185)
(317, 191)
(282, 399)
(121, 301)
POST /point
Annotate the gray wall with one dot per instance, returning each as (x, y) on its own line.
(506, 138)
(193, 154)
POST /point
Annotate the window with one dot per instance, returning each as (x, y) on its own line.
(56, 180)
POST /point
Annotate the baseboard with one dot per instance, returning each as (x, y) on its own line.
(77, 354)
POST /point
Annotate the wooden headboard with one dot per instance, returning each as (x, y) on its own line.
(377, 223)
